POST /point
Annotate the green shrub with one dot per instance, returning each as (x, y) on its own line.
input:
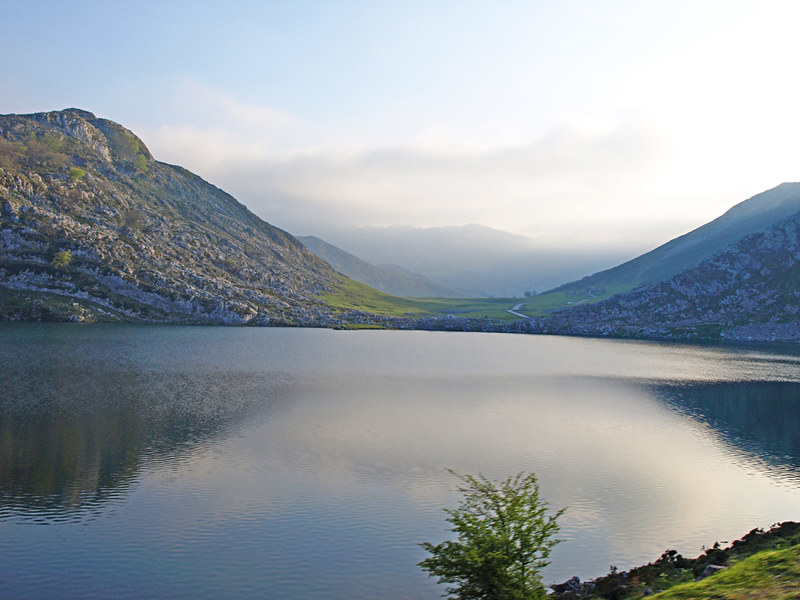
(127, 143)
(62, 259)
(10, 153)
(52, 141)
(140, 163)
(504, 537)
(76, 173)
(45, 150)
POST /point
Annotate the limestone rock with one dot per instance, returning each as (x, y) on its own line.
(147, 241)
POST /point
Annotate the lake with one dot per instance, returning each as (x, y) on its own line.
(200, 462)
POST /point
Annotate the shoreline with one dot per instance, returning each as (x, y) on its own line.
(671, 569)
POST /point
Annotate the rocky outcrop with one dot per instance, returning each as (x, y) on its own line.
(91, 226)
(77, 123)
(747, 292)
(755, 215)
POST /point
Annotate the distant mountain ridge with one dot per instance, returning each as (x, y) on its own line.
(476, 260)
(93, 227)
(389, 279)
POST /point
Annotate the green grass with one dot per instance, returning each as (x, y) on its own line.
(76, 173)
(471, 308)
(550, 301)
(46, 306)
(352, 295)
(771, 574)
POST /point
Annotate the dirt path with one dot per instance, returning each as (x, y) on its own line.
(513, 310)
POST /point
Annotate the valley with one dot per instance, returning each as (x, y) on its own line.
(93, 228)
(356, 300)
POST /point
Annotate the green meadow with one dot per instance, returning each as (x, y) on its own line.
(352, 295)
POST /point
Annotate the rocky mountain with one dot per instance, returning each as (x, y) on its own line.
(746, 218)
(390, 279)
(748, 291)
(92, 227)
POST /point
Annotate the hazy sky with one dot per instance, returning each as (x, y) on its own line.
(591, 122)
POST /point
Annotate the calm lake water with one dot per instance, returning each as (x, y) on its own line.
(190, 462)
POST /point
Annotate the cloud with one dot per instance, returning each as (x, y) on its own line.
(214, 129)
(200, 102)
(577, 172)
(630, 181)
(573, 120)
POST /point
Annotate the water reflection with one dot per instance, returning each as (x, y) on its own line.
(74, 433)
(63, 460)
(636, 475)
(296, 463)
(760, 417)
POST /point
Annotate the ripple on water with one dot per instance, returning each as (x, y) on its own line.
(206, 463)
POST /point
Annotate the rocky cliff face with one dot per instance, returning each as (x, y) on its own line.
(93, 228)
(746, 292)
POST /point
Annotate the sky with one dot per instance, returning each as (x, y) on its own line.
(583, 123)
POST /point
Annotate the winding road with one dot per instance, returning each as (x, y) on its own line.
(513, 310)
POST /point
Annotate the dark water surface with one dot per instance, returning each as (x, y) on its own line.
(190, 462)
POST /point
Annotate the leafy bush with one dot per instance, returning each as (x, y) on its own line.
(76, 173)
(140, 163)
(504, 538)
(62, 259)
(10, 153)
(128, 144)
(45, 150)
(52, 141)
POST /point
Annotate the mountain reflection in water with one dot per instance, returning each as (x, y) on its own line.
(761, 417)
(74, 432)
(280, 463)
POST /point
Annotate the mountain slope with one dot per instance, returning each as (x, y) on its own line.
(476, 260)
(751, 216)
(93, 227)
(386, 278)
(749, 291)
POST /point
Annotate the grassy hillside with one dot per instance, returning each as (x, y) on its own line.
(747, 292)
(349, 295)
(751, 216)
(771, 574)
(762, 564)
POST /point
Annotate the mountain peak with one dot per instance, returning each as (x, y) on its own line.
(92, 227)
(113, 142)
(84, 114)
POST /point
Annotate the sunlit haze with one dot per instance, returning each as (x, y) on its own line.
(591, 124)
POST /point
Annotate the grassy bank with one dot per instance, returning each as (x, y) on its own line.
(773, 574)
(762, 564)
